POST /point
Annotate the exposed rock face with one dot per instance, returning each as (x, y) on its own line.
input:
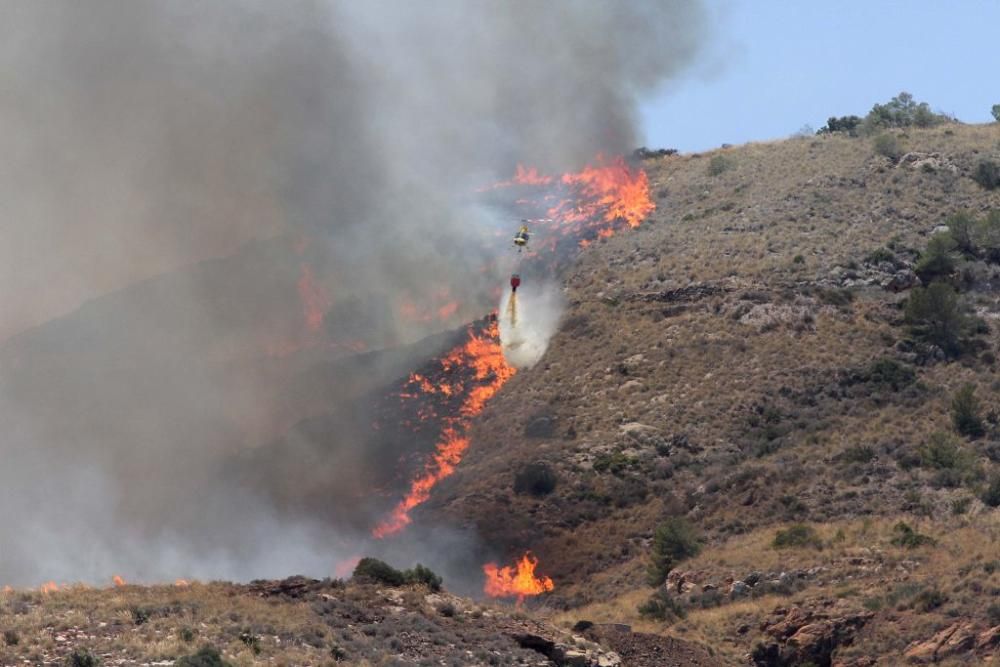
(801, 636)
(958, 638)
(585, 654)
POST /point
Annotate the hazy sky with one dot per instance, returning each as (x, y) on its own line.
(774, 66)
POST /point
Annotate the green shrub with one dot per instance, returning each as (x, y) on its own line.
(423, 575)
(901, 111)
(797, 535)
(905, 536)
(674, 540)
(207, 656)
(930, 600)
(82, 658)
(615, 463)
(11, 638)
(378, 571)
(251, 641)
(936, 315)
(987, 237)
(888, 146)
(537, 479)
(995, 110)
(965, 412)
(887, 372)
(187, 635)
(662, 607)
(718, 164)
(848, 124)
(140, 615)
(938, 260)
(991, 496)
(381, 572)
(987, 174)
(962, 230)
(942, 452)
(858, 454)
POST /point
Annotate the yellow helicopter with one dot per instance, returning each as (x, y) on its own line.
(521, 238)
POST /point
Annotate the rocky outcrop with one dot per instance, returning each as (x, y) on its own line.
(958, 638)
(800, 636)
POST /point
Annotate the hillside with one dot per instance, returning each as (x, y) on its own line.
(738, 367)
(717, 364)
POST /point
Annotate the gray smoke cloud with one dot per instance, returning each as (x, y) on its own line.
(170, 168)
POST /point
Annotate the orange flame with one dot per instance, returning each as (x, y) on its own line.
(345, 567)
(484, 355)
(48, 587)
(600, 199)
(519, 581)
(315, 300)
(182, 583)
(118, 581)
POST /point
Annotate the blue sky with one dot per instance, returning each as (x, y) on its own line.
(772, 66)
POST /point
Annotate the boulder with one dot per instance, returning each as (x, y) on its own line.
(902, 280)
(739, 589)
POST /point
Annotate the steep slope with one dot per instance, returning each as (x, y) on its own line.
(717, 364)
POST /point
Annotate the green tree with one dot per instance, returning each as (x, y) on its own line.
(674, 540)
(938, 260)
(987, 236)
(965, 412)
(935, 314)
(962, 228)
(996, 112)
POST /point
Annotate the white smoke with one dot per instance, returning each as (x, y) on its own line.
(526, 330)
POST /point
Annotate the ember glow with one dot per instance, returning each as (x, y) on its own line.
(483, 356)
(118, 581)
(518, 581)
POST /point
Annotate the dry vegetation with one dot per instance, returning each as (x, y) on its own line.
(738, 361)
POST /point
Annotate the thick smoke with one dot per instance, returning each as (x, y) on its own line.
(525, 329)
(146, 432)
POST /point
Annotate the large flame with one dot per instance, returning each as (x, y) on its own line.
(481, 353)
(594, 202)
(518, 581)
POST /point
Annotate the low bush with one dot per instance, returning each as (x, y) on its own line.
(942, 452)
(991, 495)
(965, 412)
(537, 479)
(82, 658)
(847, 124)
(207, 656)
(905, 536)
(887, 372)
(987, 174)
(718, 164)
(796, 536)
(662, 607)
(888, 146)
(379, 571)
(11, 638)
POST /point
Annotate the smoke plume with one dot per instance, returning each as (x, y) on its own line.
(526, 328)
(174, 171)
